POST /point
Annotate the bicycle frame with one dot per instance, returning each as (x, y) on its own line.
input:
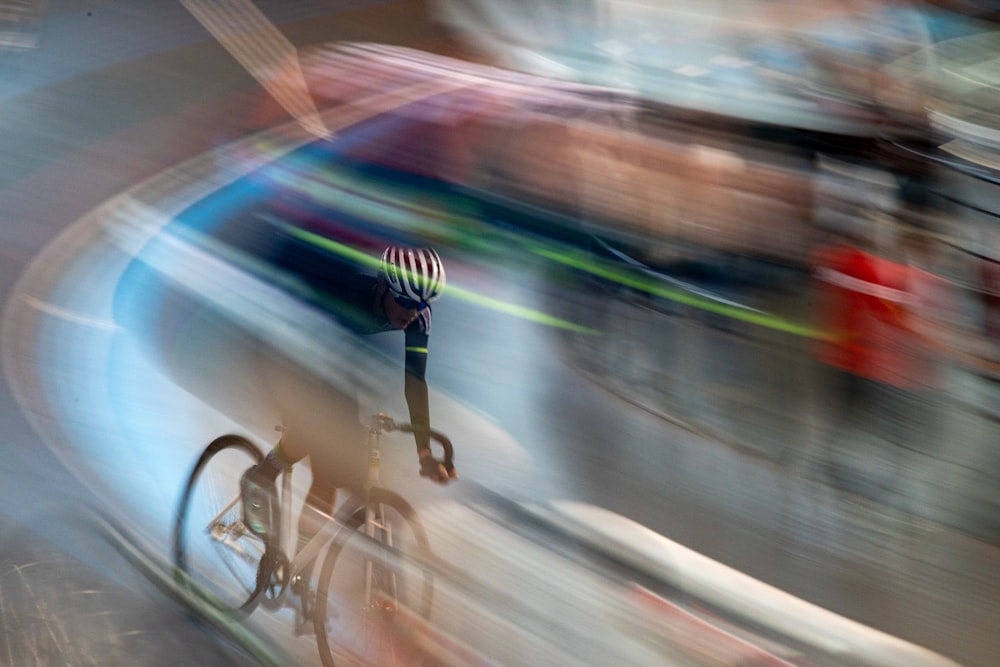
(269, 556)
(374, 519)
(366, 532)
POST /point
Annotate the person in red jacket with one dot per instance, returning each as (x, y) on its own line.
(989, 286)
(873, 304)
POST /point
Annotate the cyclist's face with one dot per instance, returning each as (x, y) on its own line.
(399, 316)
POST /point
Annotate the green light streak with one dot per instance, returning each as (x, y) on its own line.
(396, 206)
(656, 289)
(520, 311)
(453, 290)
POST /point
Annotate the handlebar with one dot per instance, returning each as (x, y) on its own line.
(387, 424)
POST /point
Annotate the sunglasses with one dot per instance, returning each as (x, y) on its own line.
(409, 304)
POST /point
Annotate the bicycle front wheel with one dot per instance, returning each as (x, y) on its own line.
(375, 587)
(216, 556)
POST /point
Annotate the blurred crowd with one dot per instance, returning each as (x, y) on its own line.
(826, 179)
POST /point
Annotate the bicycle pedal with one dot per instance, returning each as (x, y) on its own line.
(307, 625)
(304, 627)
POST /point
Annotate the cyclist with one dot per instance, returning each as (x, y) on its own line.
(398, 297)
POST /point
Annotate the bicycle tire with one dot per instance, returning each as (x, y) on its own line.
(222, 570)
(344, 627)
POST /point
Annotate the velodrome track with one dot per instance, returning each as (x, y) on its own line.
(59, 340)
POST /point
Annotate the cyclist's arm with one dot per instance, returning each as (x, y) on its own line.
(415, 386)
(416, 400)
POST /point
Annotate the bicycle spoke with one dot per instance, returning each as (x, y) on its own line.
(220, 561)
(365, 581)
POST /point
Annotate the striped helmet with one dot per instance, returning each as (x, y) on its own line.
(413, 273)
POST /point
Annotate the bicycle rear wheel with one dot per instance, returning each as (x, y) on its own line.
(216, 556)
(374, 589)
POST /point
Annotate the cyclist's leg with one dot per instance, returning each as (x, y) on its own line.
(259, 491)
(300, 398)
(341, 463)
(320, 422)
(319, 504)
(276, 460)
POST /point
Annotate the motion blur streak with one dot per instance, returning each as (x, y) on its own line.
(261, 48)
(68, 315)
(640, 234)
(650, 285)
(453, 290)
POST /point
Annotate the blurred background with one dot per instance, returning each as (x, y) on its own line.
(719, 352)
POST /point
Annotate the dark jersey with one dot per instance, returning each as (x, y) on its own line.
(354, 301)
(355, 305)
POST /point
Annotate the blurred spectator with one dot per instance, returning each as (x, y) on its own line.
(877, 303)
(989, 284)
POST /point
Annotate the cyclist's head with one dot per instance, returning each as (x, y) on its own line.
(414, 276)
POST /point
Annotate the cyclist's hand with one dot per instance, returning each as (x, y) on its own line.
(435, 470)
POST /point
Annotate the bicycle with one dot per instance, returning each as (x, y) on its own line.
(377, 561)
